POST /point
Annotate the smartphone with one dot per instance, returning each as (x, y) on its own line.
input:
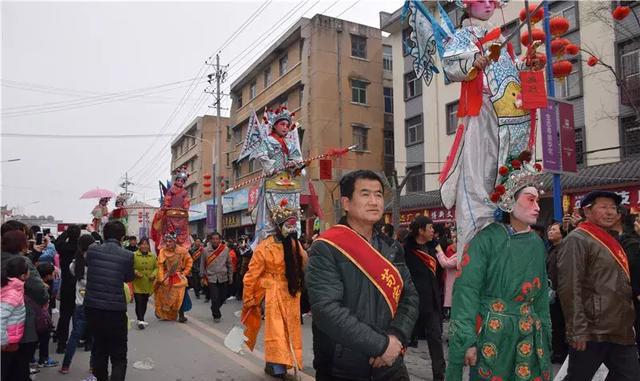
(39, 238)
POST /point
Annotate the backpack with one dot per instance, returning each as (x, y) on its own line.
(42, 317)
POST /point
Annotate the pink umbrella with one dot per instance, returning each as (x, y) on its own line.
(98, 193)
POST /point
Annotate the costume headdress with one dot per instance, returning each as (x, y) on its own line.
(272, 117)
(516, 174)
(283, 212)
(170, 236)
(121, 199)
(182, 173)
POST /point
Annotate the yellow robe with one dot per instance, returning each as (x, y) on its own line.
(266, 279)
(173, 269)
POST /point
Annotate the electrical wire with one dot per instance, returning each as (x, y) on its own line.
(242, 27)
(80, 136)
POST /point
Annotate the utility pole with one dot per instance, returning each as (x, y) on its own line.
(219, 76)
(397, 190)
(125, 184)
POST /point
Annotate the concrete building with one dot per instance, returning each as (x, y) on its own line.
(194, 147)
(329, 72)
(607, 130)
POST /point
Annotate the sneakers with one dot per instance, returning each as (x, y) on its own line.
(217, 319)
(91, 378)
(140, 325)
(34, 370)
(64, 370)
(48, 364)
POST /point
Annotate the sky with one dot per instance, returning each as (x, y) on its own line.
(70, 70)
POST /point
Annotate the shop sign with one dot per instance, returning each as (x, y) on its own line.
(234, 201)
(438, 215)
(231, 220)
(630, 197)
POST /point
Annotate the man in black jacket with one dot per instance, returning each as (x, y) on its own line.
(109, 266)
(66, 246)
(363, 314)
(420, 254)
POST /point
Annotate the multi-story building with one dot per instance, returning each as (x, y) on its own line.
(194, 148)
(329, 72)
(607, 129)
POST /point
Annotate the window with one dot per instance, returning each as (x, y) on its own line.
(251, 165)
(300, 50)
(237, 169)
(412, 85)
(301, 93)
(387, 58)
(568, 10)
(630, 136)
(360, 134)
(580, 146)
(228, 158)
(388, 100)
(406, 42)
(358, 46)
(416, 179)
(515, 39)
(630, 68)
(228, 133)
(413, 130)
(252, 90)
(237, 134)
(571, 86)
(239, 100)
(267, 77)
(284, 64)
(358, 91)
(191, 190)
(452, 118)
(388, 143)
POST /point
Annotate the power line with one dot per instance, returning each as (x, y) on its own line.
(81, 136)
(242, 27)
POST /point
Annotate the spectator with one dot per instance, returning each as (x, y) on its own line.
(631, 245)
(109, 267)
(196, 252)
(132, 244)
(46, 271)
(387, 229)
(79, 271)
(14, 244)
(146, 270)
(555, 234)
(216, 272)
(450, 274)
(66, 245)
(596, 296)
(245, 251)
(12, 310)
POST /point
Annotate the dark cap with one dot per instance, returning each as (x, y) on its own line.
(590, 197)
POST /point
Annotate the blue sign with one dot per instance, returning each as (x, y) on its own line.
(235, 201)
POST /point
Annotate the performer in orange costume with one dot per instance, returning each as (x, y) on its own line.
(174, 266)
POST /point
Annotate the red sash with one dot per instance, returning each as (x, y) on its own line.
(282, 142)
(196, 254)
(380, 271)
(427, 259)
(216, 253)
(610, 243)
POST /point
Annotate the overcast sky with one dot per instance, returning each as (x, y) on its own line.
(105, 68)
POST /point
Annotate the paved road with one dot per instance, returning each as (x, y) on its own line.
(195, 351)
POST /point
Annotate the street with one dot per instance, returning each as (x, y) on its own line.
(195, 351)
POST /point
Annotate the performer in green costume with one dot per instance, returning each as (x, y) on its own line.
(500, 323)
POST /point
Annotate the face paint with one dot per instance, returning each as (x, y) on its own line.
(526, 208)
(482, 9)
(289, 226)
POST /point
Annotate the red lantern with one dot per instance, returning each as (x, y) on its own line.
(562, 69)
(572, 49)
(538, 35)
(542, 58)
(206, 184)
(558, 46)
(558, 26)
(592, 61)
(207, 191)
(206, 176)
(620, 12)
(535, 17)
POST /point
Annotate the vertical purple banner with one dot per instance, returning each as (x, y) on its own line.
(211, 217)
(567, 137)
(142, 232)
(551, 160)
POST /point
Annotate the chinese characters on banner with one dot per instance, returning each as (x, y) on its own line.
(438, 215)
(630, 198)
(558, 137)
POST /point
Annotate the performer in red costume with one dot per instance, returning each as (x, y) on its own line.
(173, 216)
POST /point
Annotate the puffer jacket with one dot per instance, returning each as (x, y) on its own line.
(351, 319)
(34, 288)
(108, 267)
(12, 311)
(595, 292)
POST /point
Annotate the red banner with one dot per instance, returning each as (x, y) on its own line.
(630, 197)
(438, 215)
(326, 169)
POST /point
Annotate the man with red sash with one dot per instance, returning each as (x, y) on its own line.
(363, 301)
(216, 272)
(194, 280)
(421, 256)
(595, 292)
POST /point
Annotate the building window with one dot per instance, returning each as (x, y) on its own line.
(358, 91)
(415, 183)
(284, 64)
(515, 39)
(571, 86)
(300, 49)
(580, 146)
(251, 165)
(388, 143)
(358, 46)
(388, 100)
(191, 190)
(568, 10)
(239, 100)
(413, 130)
(630, 136)
(237, 170)
(412, 85)
(360, 134)
(252, 90)
(406, 41)
(237, 134)
(387, 58)
(452, 118)
(267, 77)
(300, 94)
(228, 158)
(630, 68)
